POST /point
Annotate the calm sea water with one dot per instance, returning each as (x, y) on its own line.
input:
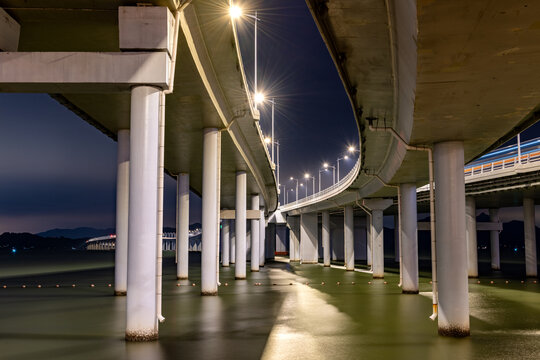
(292, 315)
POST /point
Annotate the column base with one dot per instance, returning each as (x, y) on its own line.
(454, 331)
(209, 293)
(232, 263)
(409, 291)
(326, 265)
(240, 278)
(349, 269)
(142, 335)
(224, 265)
(120, 293)
(181, 278)
(473, 276)
(532, 276)
(252, 270)
(378, 276)
(309, 262)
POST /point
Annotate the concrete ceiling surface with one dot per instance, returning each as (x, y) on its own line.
(209, 85)
(476, 78)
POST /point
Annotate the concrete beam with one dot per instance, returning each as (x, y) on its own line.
(231, 214)
(9, 32)
(82, 72)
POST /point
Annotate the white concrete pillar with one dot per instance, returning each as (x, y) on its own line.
(530, 237)
(225, 243)
(348, 238)
(122, 212)
(369, 240)
(453, 307)
(210, 222)
(255, 241)
(309, 238)
(262, 238)
(240, 225)
(141, 324)
(232, 242)
(182, 226)
(494, 241)
(294, 238)
(377, 234)
(472, 247)
(409, 238)
(396, 238)
(326, 237)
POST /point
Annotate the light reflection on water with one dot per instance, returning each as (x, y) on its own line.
(368, 321)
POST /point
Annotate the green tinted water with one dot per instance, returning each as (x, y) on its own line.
(273, 321)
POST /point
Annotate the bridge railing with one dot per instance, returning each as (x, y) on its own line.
(326, 193)
(503, 164)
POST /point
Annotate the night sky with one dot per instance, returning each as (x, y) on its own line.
(56, 171)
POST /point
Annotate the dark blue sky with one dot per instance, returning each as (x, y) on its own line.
(58, 171)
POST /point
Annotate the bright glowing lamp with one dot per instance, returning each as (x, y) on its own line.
(259, 98)
(267, 140)
(235, 11)
(351, 149)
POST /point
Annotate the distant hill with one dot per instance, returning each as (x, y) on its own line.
(29, 242)
(78, 233)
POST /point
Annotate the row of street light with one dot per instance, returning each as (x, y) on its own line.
(259, 98)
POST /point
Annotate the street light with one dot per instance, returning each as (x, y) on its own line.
(326, 166)
(293, 179)
(307, 177)
(272, 101)
(338, 160)
(302, 185)
(237, 12)
(292, 190)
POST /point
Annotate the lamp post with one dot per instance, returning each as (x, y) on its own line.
(293, 179)
(267, 140)
(237, 12)
(307, 177)
(320, 171)
(338, 160)
(302, 185)
(326, 166)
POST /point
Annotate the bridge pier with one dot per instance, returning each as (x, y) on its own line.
(409, 238)
(182, 221)
(453, 310)
(225, 243)
(210, 207)
(240, 225)
(326, 237)
(232, 242)
(262, 238)
(294, 238)
(472, 247)
(530, 237)
(348, 238)
(143, 198)
(308, 238)
(494, 241)
(377, 234)
(255, 241)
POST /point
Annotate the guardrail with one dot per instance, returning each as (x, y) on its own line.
(503, 164)
(327, 193)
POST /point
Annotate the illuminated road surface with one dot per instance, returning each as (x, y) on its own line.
(273, 321)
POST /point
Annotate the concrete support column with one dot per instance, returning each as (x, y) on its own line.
(409, 238)
(255, 241)
(262, 238)
(377, 234)
(210, 222)
(240, 225)
(530, 237)
(225, 243)
(122, 212)
(494, 241)
(294, 238)
(232, 242)
(369, 240)
(326, 237)
(348, 238)
(396, 238)
(182, 226)
(141, 324)
(451, 239)
(472, 247)
(309, 238)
